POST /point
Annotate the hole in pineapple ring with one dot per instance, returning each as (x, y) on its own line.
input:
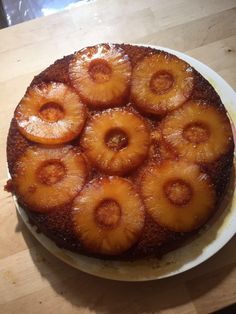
(108, 214)
(116, 139)
(161, 82)
(178, 192)
(51, 172)
(51, 112)
(100, 70)
(196, 132)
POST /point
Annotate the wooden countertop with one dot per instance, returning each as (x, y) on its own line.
(31, 279)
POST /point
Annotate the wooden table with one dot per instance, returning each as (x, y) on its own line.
(31, 279)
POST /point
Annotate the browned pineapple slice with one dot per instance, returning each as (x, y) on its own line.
(161, 83)
(116, 141)
(199, 132)
(178, 195)
(101, 75)
(46, 178)
(108, 215)
(50, 114)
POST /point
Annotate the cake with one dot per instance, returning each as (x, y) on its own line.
(120, 151)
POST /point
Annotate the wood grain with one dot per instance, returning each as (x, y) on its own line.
(31, 279)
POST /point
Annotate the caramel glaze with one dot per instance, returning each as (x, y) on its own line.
(155, 240)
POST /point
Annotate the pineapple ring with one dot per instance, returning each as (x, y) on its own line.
(50, 113)
(108, 215)
(178, 195)
(101, 75)
(199, 132)
(161, 83)
(47, 178)
(111, 143)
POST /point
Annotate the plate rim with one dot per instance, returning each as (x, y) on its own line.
(50, 245)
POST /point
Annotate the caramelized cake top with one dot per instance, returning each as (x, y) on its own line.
(120, 151)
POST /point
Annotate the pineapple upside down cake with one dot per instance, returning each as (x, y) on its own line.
(119, 151)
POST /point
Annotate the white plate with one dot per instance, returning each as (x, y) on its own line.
(210, 240)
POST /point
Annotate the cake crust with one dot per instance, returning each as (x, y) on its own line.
(155, 239)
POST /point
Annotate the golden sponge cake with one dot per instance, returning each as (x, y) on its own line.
(119, 151)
